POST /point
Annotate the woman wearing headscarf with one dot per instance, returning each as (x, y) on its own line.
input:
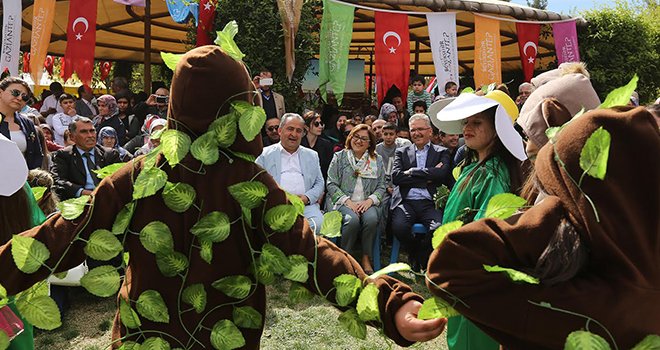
(130, 121)
(107, 137)
(491, 166)
(109, 116)
(388, 113)
(149, 142)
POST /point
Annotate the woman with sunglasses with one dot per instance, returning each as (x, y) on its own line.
(356, 186)
(313, 139)
(14, 94)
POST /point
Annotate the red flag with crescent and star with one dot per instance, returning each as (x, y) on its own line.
(528, 41)
(81, 40)
(205, 23)
(392, 53)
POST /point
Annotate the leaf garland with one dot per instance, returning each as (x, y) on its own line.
(275, 259)
(650, 342)
(156, 238)
(108, 170)
(123, 219)
(38, 193)
(435, 308)
(595, 153)
(28, 253)
(503, 205)
(351, 322)
(178, 196)
(251, 120)
(391, 268)
(249, 194)
(195, 295)
(298, 293)
(206, 251)
(299, 269)
(225, 39)
(128, 317)
(226, 336)
(441, 232)
(102, 281)
(205, 148)
(367, 305)
(621, 95)
(72, 208)
(171, 59)
(41, 311)
(214, 227)
(172, 263)
(281, 218)
(237, 287)
(103, 245)
(224, 129)
(247, 317)
(331, 226)
(155, 343)
(514, 275)
(148, 182)
(150, 305)
(176, 145)
(348, 287)
(583, 340)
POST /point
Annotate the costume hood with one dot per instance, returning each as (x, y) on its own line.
(205, 82)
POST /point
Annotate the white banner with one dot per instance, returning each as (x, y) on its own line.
(11, 36)
(444, 45)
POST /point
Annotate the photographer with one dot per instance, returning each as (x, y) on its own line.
(272, 101)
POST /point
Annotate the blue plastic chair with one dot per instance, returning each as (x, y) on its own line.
(417, 229)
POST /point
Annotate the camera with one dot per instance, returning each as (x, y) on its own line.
(161, 99)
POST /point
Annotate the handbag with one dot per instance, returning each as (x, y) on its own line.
(10, 323)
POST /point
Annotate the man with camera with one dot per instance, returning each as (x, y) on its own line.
(158, 102)
(273, 102)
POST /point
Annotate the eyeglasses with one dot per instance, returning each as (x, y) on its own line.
(418, 130)
(16, 93)
(318, 124)
(359, 138)
(273, 128)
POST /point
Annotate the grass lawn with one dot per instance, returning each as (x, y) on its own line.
(309, 325)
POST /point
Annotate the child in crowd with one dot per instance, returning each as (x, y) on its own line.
(62, 120)
(418, 94)
(419, 107)
(403, 133)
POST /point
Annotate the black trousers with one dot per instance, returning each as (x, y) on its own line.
(412, 212)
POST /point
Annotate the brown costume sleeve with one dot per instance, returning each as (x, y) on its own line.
(331, 261)
(57, 233)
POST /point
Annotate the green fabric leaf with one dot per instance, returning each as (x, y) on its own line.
(249, 194)
(155, 343)
(247, 317)
(441, 232)
(348, 287)
(237, 287)
(103, 245)
(108, 170)
(37, 192)
(205, 148)
(331, 226)
(126, 258)
(129, 318)
(102, 281)
(151, 158)
(299, 269)
(172, 263)
(251, 120)
(351, 322)
(224, 129)
(503, 205)
(650, 342)
(435, 308)
(3, 295)
(28, 253)
(156, 238)
(36, 290)
(225, 39)
(247, 215)
(552, 132)
(274, 258)
(179, 196)
(595, 153)
(583, 340)
(226, 336)
(195, 295)
(621, 95)
(298, 293)
(150, 305)
(73, 208)
(467, 90)
(296, 202)
(263, 273)
(396, 267)
(514, 275)
(206, 251)
(130, 345)
(148, 182)
(4, 340)
(123, 219)
(281, 218)
(367, 305)
(41, 311)
(176, 145)
(245, 156)
(171, 59)
(214, 227)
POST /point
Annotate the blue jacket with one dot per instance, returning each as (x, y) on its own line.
(33, 154)
(271, 160)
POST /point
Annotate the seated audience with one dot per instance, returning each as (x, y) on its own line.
(149, 142)
(109, 116)
(108, 138)
(85, 104)
(271, 134)
(62, 120)
(314, 139)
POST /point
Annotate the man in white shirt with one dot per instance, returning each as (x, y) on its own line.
(295, 168)
(51, 104)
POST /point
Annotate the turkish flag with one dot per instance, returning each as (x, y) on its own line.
(81, 40)
(528, 41)
(392, 53)
(26, 62)
(205, 23)
(105, 68)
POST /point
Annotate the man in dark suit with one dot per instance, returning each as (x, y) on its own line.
(417, 172)
(73, 165)
(84, 105)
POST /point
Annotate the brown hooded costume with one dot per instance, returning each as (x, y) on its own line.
(620, 284)
(204, 81)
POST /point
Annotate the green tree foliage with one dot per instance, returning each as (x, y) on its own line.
(261, 38)
(538, 4)
(620, 41)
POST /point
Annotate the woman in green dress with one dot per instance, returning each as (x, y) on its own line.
(491, 166)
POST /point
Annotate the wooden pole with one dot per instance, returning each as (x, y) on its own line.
(416, 57)
(147, 47)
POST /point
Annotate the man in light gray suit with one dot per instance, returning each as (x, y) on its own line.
(296, 168)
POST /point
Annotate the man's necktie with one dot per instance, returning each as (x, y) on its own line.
(91, 167)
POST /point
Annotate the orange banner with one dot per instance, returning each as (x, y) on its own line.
(487, 52)
(42, 24)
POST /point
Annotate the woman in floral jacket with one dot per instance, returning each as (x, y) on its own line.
(356, 185)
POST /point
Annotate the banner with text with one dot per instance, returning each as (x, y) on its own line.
(336, 33)
(290, 11)
(11, 36)
(487, 51)
(528, 41)
(444, 45)
(42, 24)
(566, 42)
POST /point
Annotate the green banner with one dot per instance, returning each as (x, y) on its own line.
(336, 32)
